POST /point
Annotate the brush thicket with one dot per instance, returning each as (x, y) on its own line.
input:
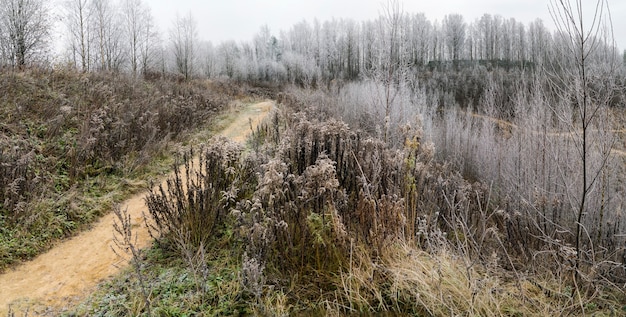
(198, 198)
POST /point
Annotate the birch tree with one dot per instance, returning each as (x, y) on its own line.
(133, 16)
(26, 28)
(150, 44)
(108, 35)
(183, 36)
(77, 20)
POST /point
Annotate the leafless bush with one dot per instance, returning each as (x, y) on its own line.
(533, 166)
(200, 195)
(334, 200)
(126, 245)
(328, 187)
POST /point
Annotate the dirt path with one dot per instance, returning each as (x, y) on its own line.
(509, 125)
(70, 270)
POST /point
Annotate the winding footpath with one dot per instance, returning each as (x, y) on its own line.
(68, 272)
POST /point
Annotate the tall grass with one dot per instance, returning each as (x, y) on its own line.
(196, 202)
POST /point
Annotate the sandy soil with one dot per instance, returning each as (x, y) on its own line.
(69, 271)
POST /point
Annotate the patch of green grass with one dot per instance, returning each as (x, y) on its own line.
(174, 292)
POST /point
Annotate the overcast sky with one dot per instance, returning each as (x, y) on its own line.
(240, 20)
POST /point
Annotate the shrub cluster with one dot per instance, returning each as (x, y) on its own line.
(196, 201)
(513, 137)
(318, 212)
(314, 192)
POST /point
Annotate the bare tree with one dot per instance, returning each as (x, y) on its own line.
(584, 83)
(506, 39)
(149, 45)
(77, 20)
(228, 53)
(520, 46)
(138, 28)
(108, 34)
(26, 30)
(455, 35)
(420, 29)
(329, 59)
(351, 50)
(210, 60)
(131, 13)
(265, 51)
(538, 41)
(392, 70)
(485, 32)
(183, 36)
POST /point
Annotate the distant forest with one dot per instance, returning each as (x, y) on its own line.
(122, 36)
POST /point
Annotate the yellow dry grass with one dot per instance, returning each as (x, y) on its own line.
(407, 279)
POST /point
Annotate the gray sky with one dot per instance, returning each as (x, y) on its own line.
(240, 20)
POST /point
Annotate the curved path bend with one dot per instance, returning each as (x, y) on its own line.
(69, 271)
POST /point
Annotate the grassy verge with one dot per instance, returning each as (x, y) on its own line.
(74, 145)
(174, 288)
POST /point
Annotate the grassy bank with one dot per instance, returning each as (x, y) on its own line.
(75, 144)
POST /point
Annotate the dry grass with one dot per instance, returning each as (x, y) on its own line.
(406, 279)
(444, 284)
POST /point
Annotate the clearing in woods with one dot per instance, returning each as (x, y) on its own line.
(70, 270)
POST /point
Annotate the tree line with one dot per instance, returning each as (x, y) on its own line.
(123, 36)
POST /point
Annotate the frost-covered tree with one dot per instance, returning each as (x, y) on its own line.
(538, 41)
(134, 16)
(149, 46)
(583, 83)
(25, 30)
(77, 18)
(391, 73)
(454, 28)
(420, 33)
(184, 39)
(228, 53)
(210, 62)
(108, 35)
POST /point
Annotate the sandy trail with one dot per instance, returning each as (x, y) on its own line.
(68, 272)
(506, 124)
